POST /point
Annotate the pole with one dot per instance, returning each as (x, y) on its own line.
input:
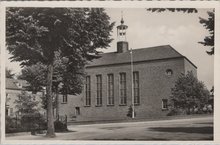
(132, 84)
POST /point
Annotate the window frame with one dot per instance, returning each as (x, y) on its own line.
(88, 91)
(77, 111)
(11, 111)
(136, 87)
(110, 89)
(64, 101)
(164, 103)
(169, 72)
(122, 89)
(99, 90)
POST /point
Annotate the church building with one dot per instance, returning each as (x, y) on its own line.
(118, 81)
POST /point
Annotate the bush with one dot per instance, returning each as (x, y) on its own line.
(189, 93)
(188, 111)
(8, 123)
(60, 126)
(129, 114)
(176, 111)
(172, 112)
(12, 125)
(33, 122)
(29, 122)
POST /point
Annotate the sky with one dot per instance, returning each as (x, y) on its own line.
(146, 29)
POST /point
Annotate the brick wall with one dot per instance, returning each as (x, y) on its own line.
(69, 108)
(155, 85)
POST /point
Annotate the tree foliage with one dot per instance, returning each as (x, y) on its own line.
(28, 110)
(35, 75)
(25, 104)
(36, 35)
(65, 81)
(189, 92)
(207, 23)
(184, 10)
(212, 90)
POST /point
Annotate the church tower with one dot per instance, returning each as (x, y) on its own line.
(122, 44)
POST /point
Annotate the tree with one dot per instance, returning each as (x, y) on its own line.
(211, 98)
(28, 109)
(207, 23)
(35, 35)
(212, 91)
(64, 81)
(25, 104)
(189, 92)
(35, 75)
(9, 74)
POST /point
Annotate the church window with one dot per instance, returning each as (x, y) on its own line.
(99, 90)
(110, 89)
(122, 84)
(136, 87)
(88, 91)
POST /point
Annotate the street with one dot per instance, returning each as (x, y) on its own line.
(179, 129)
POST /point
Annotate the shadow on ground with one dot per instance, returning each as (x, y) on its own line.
(207, 123)
(200, 130)
(155, 139)
(112, 128)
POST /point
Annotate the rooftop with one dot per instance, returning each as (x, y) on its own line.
(15, 84)
(141, 54)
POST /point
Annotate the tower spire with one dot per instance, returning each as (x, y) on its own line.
(122, 20)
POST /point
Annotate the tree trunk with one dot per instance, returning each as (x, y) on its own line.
(50, 122)
(57, 102)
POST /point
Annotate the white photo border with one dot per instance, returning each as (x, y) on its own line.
(115, 4)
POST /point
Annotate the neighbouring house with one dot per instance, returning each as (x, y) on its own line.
(108, 87)
(14, 87)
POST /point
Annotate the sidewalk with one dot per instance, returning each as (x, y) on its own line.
(141, 119)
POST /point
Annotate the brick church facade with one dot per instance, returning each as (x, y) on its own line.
(110, 83)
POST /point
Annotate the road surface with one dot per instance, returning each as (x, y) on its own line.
(176, 130)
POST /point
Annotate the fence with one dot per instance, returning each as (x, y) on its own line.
(61, 123)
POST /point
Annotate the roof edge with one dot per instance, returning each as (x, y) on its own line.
(174, 50)
(20, 89)
(190, 62)
(113, 64)
(183, 56)
(134, 49)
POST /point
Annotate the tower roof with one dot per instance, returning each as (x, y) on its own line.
(122, 21)
(122, 26)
